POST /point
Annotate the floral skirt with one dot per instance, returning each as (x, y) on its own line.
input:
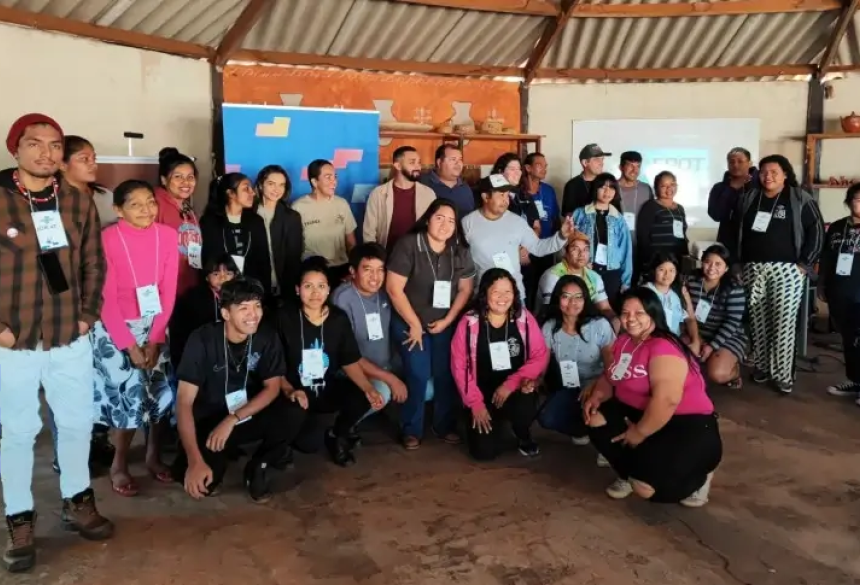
(127, 397)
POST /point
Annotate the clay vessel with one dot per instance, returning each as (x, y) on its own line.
(851, 124)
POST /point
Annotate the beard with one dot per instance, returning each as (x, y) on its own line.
(412, 175)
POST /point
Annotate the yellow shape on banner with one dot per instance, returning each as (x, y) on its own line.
(278, 128)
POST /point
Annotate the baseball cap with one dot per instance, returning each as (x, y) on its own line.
(592, 151)
(495, 184)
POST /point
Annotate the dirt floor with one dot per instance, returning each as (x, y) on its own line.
(785, 510)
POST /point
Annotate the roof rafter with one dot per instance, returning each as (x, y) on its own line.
(680, 73)
(236, 34)
(547, 38)
(525, 7)
(839, 30)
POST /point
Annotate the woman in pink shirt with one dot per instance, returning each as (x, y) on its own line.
(129, 349)
(659, 430)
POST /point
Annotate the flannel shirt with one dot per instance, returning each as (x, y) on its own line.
(27, 307)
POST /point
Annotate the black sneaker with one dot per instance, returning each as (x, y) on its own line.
(20, 553)
(354, 440)
(339, 449)
(760, 377)
(529, 448)
(846, 388)
(257, 482)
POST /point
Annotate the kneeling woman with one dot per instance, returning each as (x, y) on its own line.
(659, 431)
(497, 356)
(319, 343)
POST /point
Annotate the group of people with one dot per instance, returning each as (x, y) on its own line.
(253, 323)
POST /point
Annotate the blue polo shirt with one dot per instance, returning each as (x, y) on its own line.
(461, 194)
(549, 215)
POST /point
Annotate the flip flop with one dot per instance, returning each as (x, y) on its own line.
(128, 490)
(162, 476)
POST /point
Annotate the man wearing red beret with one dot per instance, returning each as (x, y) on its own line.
(51, 276)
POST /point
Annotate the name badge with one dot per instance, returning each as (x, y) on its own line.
(502, 260)
(195, 255)
(374, 326)
(49, 230)
(148, 300)
(313, 366)
(844, 264)
(678, 229)
(601, 254)
(500, 356)
(703, 309)
(240, 262)
(235, 401)
(541, 209)
(621, 367)
(442, 294)
(761, 221)
(630, 219)
(569, 374)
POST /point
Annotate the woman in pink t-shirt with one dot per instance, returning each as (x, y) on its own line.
(658, 429)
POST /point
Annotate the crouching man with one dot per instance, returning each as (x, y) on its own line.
(229, 395)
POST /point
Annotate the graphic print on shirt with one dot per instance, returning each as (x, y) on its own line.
(779, 212)
(253, 360)
(633, 372)
(189, 233)
(514, 348)
(315, 384)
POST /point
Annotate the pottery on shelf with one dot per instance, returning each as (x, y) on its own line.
(851, 124)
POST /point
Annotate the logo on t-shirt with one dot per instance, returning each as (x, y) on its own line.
(779, 212)
(514, 347)
(340, 219)
(253, 360)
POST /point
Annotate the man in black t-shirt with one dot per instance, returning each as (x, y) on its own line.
(229, 395)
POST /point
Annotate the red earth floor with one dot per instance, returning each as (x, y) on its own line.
(785, 510)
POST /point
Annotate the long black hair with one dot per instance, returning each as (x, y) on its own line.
(659, 179)
(481, 305)
(778, 159)
(501, 164)
(219, 193)
(72, 145)
(314, 264)
(662, 258)
(420, 226)
(168, 159)
(728, 281)
(263, 175)
(654, 308)
(589, 309)
(604, 180)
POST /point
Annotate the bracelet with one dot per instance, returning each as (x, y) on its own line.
(238, 418)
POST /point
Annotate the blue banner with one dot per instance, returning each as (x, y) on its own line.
(256, 136)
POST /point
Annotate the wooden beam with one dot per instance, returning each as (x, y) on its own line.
(717, 8)
(103, 33)
(526, 7)
(216, 78)
(679, 73)
(547, 38)
(361, 63)
(236, 34)
(845, 19)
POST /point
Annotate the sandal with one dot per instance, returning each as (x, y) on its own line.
(736, 384)
(162, 476)
(411, 443)
(126, 489)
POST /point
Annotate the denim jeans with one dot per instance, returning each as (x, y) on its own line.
(562, 413)
(66, 374)
(419, 367)
(383, 389)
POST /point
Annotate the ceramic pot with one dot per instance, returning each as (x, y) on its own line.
(851, 124)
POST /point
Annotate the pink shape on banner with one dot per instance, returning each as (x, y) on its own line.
(233, 168)
(342, 157)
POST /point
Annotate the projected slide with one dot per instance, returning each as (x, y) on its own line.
(694, 150)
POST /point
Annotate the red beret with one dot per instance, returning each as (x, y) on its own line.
(21, 124)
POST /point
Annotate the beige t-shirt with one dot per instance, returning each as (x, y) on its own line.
(327, 223)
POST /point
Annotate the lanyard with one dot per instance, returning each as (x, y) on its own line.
(244, 361)
(128, 256)
(302, 324)
(852, 241)
(557, 343)
(705, 296)
(772, 209)
(236, 242)
(489, 342)
(624, 346)
(217, 306)
(364, 310)
(432, 267)
(26, 193)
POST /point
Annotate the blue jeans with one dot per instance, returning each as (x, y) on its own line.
(383, 389)
(66, 373)
(419, 367)
(562, 413)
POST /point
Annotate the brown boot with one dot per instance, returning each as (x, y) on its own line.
(81, 515)
(20, 554)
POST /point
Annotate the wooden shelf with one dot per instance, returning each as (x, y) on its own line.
(813, 158)
(828, 186)
(831, 136)
(521, 139)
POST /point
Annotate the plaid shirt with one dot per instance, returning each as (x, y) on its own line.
(26, 305)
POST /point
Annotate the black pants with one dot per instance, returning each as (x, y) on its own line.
(340, 396)
(611, 282)
(272, 425)
(675, 460)
(532, 273)
(845, 312)
(519, 409)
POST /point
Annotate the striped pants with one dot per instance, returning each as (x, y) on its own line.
(774, 292)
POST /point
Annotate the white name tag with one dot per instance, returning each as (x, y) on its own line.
(240, 262)
(630, 219)
(621, 367)
(678, 228)
(442, 294)
(761, 221)
(374, 326)
(541, 209)
(703, 309)
(601, 255)
(49, 230)
(235, 401)
(844, 264)
(148, 300)
(195, 255)
(569, 374)
(313, 366)
(502, 260)
(500, 356)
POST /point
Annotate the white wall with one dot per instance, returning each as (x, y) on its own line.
(781, 107)
(99, 91)
(839, 157)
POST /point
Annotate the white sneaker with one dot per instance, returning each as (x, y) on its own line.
(699, 497)
(602, 461)
(581, 441)
(619, 489)
(846, 388)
